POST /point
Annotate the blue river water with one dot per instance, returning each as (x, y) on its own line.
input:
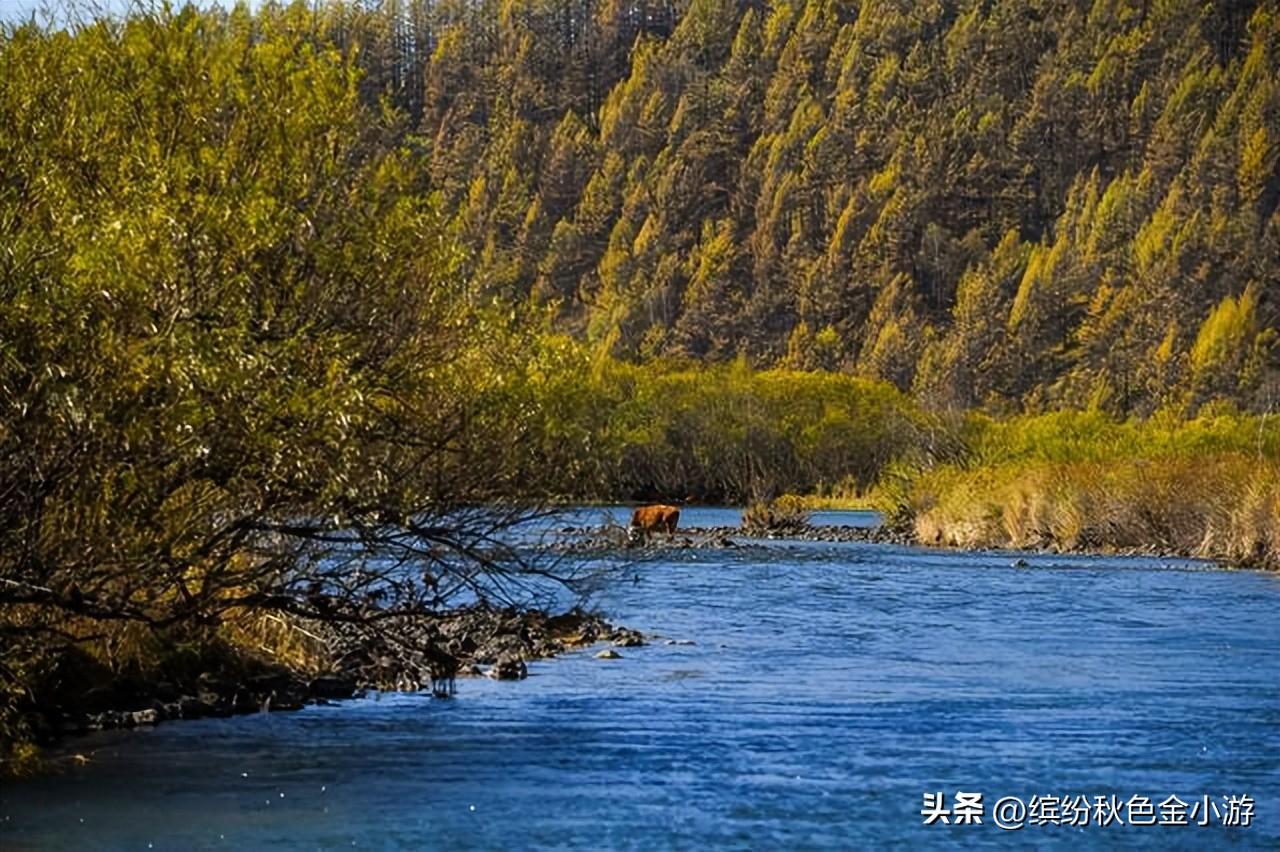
(829, 688)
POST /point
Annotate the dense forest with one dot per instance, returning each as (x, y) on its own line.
(1017, 206)
(1000, 203)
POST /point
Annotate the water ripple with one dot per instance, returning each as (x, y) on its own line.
(830, 687)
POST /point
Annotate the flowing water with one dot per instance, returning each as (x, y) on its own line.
(830, 687)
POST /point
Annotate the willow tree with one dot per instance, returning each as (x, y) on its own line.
(237, 369)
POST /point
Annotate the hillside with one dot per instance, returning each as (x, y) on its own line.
(1010, 204)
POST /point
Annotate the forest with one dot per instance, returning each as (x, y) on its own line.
(1022, 206)
(274, 280)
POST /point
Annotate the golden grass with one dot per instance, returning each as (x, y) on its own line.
(279, 639)
(785, 513)
(1224, 506)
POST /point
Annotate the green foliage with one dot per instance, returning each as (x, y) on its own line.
(1092, 436)
(231, 325)
(725, 434)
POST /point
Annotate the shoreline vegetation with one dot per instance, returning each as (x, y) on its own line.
(1069, 482)
(307, 310)
(317, 662)
(1206, 488)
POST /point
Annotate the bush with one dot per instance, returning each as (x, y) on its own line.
(786, 515)
(724, 434)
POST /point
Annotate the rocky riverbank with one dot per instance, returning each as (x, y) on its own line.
(418, 652)
(831, 533)
(395, 653)
(587, 540)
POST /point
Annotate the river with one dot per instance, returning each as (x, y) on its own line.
(830, 687)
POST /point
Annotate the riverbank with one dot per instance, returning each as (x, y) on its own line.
(1082, 509)
(271, 673)
(1190, 480)
(586, 540)
(589, 540)
(1223, 508)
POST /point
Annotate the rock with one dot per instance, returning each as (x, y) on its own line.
(110, 720)
(1020, 563)
(213, 704)
(143, 717)
(331, 686)
(285, 701)
(545, 647)
(99, 721)
(470, 670)
(627, 638)
(681, 642)
(463, 646)
(503, 645)
(566, 623)
(608, 654)
(509, 668)
(269, 682)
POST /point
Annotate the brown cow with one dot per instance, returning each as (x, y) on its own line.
(656, 518)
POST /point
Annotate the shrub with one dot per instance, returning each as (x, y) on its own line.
(787, 514)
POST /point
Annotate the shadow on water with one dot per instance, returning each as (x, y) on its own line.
(830, 687)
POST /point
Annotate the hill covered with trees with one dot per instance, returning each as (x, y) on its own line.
(999, 203)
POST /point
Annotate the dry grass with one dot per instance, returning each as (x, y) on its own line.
(1224, 507)
(850, 502)
(279, 639)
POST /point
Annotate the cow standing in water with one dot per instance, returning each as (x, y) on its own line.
(652, 519)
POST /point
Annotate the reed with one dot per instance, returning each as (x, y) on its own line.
(1223, 506)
